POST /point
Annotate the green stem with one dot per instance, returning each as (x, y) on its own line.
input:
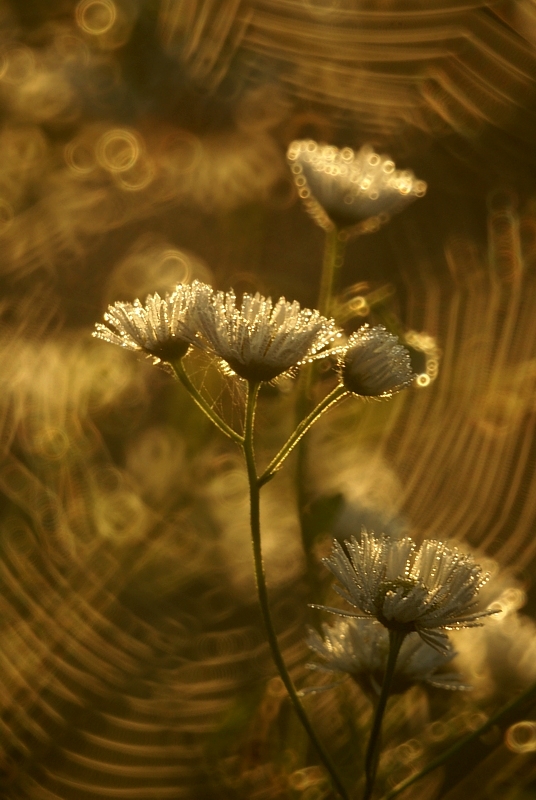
(275, 464)
(204, 406)
(334, 249)
(333, 259)
(373, 750)
(254, 494)
(506, 716)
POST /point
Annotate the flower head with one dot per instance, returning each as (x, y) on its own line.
(374, 363)
(163, 328)
(261, 340)
(357, 192)
(427, 589)
(360, 648)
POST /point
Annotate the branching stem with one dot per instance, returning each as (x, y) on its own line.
(254, 489)
(203, 405)
(333, 397)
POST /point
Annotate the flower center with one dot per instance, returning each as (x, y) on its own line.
(255, 369)
(403, 589)
(172, 349)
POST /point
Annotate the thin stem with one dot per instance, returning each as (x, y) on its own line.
(505, 716)
(373, 750)
(334, 249)
(203, 405)
(275, 464)
(333, 259)
(254, 494)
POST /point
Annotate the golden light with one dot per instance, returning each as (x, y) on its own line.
(521, 737)
(17, 64)
(96, 17)
(118, 149)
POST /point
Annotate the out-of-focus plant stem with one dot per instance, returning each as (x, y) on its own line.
(506, 716)
(334, 249)
(254, 490)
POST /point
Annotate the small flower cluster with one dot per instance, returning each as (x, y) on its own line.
(359, 648)
(428, 589)
(258, 340)
(354, 192)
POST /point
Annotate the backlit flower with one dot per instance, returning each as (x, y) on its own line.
(359, 647)
(374, 363)
(261, 339)
(356, 192)
(163, 327)
(427, 589)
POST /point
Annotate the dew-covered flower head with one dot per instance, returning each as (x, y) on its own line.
(359, 648)
(261, 340)
(163, 328)
(374, 363)
(355, 192)
(427, 589)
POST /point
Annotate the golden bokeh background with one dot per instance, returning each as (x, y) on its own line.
(142, 143)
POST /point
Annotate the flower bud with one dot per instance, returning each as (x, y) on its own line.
(374, 363)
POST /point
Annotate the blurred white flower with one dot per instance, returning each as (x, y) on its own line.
(500, 658)
(261, 340)
(360, 648)
(164, 328)
(374, 363)
(356, 192)
(428, 589)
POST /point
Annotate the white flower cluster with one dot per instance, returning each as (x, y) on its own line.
(258, 340)
(427, 589)
(355, 192)
(359, 647)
